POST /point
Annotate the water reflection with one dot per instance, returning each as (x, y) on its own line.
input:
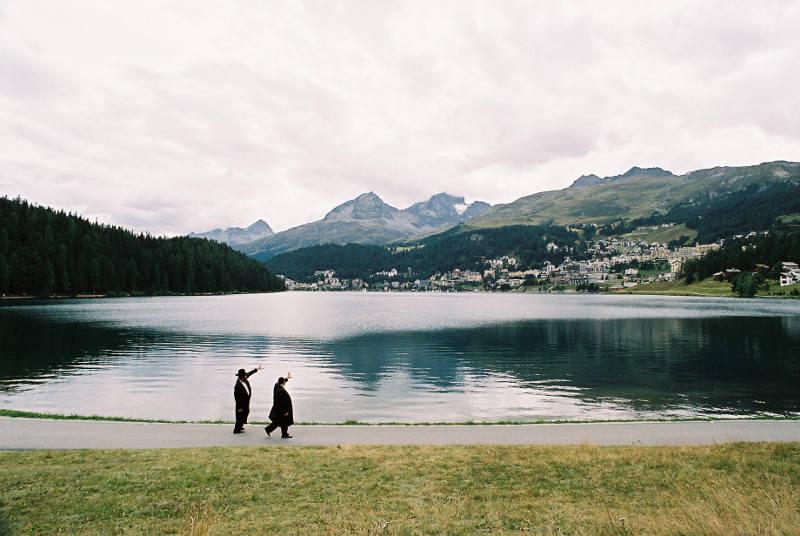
(616, 366)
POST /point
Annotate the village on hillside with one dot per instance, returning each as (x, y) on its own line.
(611, 264)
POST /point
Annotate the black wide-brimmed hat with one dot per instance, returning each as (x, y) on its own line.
(241, 372)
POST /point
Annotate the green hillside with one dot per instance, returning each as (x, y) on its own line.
(639, 194)
(661, 234)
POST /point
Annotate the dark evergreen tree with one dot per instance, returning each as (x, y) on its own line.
(5, 278)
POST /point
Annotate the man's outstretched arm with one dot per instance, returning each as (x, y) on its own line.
(255, 370)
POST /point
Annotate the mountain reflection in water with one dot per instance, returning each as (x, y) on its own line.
(66, 360)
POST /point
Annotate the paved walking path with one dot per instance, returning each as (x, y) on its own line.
(23, 433)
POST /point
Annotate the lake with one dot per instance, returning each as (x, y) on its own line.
(405, 357)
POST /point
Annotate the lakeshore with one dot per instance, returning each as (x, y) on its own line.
(706, 288)
(20, 433)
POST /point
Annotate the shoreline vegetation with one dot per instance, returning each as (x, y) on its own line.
(11, 413)
(706, 288)
(28, 297)
(733, 488)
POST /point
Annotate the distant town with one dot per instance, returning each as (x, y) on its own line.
(610, 265)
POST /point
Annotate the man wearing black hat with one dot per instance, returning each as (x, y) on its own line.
(281, 413)
(242, 393)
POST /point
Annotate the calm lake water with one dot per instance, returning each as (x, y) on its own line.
(405, 357)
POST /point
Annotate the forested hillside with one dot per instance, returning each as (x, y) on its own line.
(744, 254)
(713, 216)
(45, 252)
(437, 253)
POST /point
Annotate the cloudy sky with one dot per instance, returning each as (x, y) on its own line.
(183, 116)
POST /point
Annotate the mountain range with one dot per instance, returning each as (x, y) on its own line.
(235, 236)
(367, 219)
(707, 204)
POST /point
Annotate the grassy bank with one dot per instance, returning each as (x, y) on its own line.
(74, 417)
(707, 287)
(728, 489)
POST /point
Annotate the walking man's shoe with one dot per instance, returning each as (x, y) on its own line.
(287, 436)
(266, 429)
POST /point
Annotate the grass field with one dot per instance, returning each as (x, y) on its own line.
(722, 490)
(661, 235)
(775, 290)
(707, 287)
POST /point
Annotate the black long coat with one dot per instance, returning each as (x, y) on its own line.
(242, 396)
(281, 403)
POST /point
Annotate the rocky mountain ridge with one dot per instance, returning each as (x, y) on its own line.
(367, 219)
(235, 236)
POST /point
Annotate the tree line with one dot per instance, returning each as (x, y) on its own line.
(44, 252)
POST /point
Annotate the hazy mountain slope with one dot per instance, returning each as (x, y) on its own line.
(234, 236)
(637, 193)
(367, 219)
(445, 210)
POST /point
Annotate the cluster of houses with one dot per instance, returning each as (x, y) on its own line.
(611, 263)
(327, 280)
(790, 274)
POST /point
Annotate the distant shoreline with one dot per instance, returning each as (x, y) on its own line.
(640, 290)
(22, 298)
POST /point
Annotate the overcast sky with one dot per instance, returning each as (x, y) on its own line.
(175, 117)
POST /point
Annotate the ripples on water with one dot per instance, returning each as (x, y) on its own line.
(402, 357)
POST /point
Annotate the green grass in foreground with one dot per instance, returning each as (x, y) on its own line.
(723, 490)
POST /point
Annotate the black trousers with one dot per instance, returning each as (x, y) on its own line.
(241, 418)
(274, 426)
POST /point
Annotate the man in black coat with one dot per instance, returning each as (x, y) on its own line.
(242, 394)
(281, 413)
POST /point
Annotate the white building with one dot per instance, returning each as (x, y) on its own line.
(790, 277)
(471, 277)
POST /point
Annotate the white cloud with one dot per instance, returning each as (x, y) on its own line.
(183, 116)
